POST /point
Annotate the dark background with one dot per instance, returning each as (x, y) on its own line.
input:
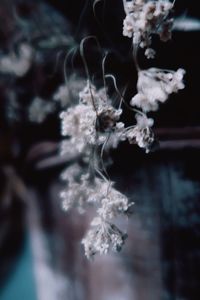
(164, 184)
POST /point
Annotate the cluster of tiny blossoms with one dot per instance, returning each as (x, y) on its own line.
(39, 110)
(17, 65)
(103, 234)
(154, 86)
(92, 125)
(143, 19)
(147, 17)
(102, 237)
(88, 122)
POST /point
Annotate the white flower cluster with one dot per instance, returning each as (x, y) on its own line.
(85, 190)
(147, 17)
(94, 121)
(154, 86)
(144, 18)
(78, 123)
(74, 196)
(68, 93)
(103, 234)
(81, 191)
(39, 109)
(17, 65)
(71, 173)
(102, 237)
(88, 122)
(62, 95)
(113, 204)
(107, 115)
(141, 133)
(117, 136)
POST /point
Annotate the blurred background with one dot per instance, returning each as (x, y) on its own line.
(40, 252)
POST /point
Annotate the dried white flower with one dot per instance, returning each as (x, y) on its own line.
(89, 122)
(79, 193)
(62, 95)
(102, 237)
(92, 190)
(78, 123)
(90, 96)
(94, 121)
(147, 17)
(141, 133)
(39, 109)
(150, 53)
(69, 150)
(68, 93)
(101, 103)
(17, 65)
(118, 135)
(83, 191)
(155, 85)
(71, 173)
(74, 196)
(114, 204)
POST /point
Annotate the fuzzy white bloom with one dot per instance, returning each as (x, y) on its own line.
(147, 17)
(117, 136)
(39, 109)
(78, 193)
(81, 189)
(62, 95)
(71, 173)
(74, 196)
(140, 100)
(150, 53)
(113, 205)
(78, 123)
(94, 121)
(88, 122)
(141, 133)
(102, 237)
(155, 85)
(68, 93)
(90, 96)
(17, 65)
(70, 151)
(92, 191)
(111, 201)
(100, 102)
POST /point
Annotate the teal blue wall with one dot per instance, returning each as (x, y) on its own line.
(21, 284)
